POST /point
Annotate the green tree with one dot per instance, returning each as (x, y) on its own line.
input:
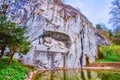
(117, 38)
(4, 35)
(118, 34)
(12, 36)
(18, 42)
(110, 32)
(98, 26)
(101, 27)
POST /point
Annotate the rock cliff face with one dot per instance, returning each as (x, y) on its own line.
(60, 35)
(102, 40)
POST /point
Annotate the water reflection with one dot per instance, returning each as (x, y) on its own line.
(78, 75)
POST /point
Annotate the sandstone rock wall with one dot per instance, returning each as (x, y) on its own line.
(60, 35)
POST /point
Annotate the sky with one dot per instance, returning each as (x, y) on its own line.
(97, 11)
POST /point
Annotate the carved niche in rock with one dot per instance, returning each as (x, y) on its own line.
(52, 44)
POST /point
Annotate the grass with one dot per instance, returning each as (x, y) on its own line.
(110, 54)
(14, 72)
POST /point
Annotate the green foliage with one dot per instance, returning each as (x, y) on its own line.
(110, 32)
(101, 27)
(116, 30)
(116, 38)
(98, 26)
(116, 41)
(24, 46)
(111, 54)
(14, 72)
(12, 37)
(118, 34)
(10, 33)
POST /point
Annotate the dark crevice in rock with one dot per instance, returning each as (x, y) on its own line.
(82, 47)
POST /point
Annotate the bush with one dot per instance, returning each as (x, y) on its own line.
(111, 53)
(14, 72)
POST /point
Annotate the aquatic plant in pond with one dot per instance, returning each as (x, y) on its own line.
(109, 75)
(78, 75)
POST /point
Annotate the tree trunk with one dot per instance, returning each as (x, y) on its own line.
(1, 57)
(99, 52)
(11, 57)
(12, 51)
(2, 52)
